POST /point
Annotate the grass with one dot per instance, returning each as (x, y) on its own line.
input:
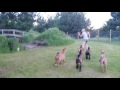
(114, 40)
(30, 36)
(55, 37)
(39, 62)
(9, 45)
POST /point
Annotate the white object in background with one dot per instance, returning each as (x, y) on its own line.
(18, 49)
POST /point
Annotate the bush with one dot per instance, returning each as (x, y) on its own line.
(55, 37)
(10, 45)
(30, 36)
(2, 38)
(4, 46)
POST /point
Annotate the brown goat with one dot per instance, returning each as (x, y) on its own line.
(103, 61)
(79, 59)
(60, 57)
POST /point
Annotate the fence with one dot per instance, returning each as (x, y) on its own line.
(11, 33)
(109, 36)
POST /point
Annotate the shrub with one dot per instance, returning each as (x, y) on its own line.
(55, 37)
(2, 38)
(10, 45)
(30, 36)
(4, 46)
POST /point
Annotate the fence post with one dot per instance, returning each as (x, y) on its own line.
(2, 32)
(78, 34)
(67, 33)
(13, 32)
(98, 34)
(110, 36)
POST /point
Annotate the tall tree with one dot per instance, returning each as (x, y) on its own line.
(113, 23)
(72, 21)
(41, 24)
(68, 21)
(25, 21)
(17, 20)
(8, 20)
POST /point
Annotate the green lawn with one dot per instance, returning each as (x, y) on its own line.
(39, 62)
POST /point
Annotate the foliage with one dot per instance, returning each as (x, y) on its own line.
(113, 23)
(41, 24)
(4, 45)
(68, 21)
(17, 20)
(72, 21)
(30, 36)
(10, 45)
(25, 21)
(2, 38)
(53, 36)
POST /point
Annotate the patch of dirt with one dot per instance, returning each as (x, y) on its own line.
(30, 46)
(3, 70)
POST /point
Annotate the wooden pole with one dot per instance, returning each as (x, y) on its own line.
(98, 34)
(110, 36)
(2, 32)
(13, 32)
(78, 34)
(67, 33)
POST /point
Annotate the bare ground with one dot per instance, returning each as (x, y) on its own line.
(30, 46)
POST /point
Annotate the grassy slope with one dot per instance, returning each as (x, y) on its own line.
(55, 37)
(39, 62)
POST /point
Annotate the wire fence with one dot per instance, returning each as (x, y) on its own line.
(109, 36)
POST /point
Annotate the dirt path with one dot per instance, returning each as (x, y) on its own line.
(30, 46)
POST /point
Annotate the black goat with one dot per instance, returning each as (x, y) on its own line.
(88, 53)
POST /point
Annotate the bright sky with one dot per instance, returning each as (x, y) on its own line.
(98, 19)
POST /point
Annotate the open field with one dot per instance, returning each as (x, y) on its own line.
(39, 62)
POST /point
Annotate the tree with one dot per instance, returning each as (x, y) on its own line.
(8, 20)
(68, 21)
(51, 22)
(113, 23)
(25, 21)
(45, 24)
(72, 21)
(17, 20)
(41, 24)
(65, 21)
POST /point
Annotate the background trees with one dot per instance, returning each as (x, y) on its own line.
(65, 21)
(16, 20)
(113, 23)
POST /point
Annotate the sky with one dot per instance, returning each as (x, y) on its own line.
(98, 19)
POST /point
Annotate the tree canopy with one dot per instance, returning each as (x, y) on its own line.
(16, 20)
(65, 21)
(113, 23)
(69, 21)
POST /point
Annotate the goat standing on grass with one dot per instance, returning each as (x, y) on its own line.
(79, 59)
(88, 53)
(60, 57)
(103, 61)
